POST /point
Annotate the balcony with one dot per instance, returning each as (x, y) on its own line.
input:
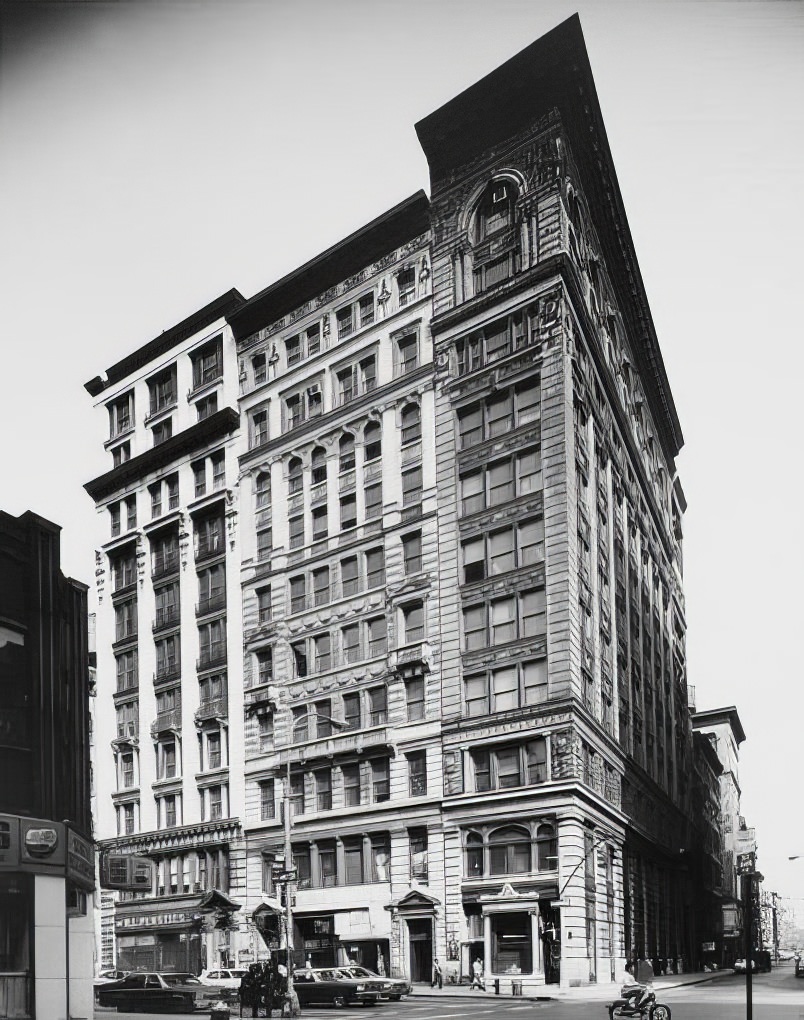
(212, 658)
(215, 708)
(166, 722)
(211, 603)
(167, 671)
(165, 564)
(166, 618)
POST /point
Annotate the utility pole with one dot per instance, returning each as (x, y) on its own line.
(748, 924)
(292, 999)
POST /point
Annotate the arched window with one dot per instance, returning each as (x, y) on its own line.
(346, 450)
(319, 465)
(495, 222)
(474, 855)
(495, 211)
(295, 475)
(262, 490)
(372, 442)
(509, 851)
(546, 848)
(411, 424)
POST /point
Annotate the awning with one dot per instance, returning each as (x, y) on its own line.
(216, 900)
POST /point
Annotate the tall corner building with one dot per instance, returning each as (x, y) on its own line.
(451, 556)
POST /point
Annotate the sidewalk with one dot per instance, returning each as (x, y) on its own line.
(603, 992)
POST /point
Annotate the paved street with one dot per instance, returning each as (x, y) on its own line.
(777, 996)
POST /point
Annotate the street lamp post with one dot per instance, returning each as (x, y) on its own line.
(292, 999)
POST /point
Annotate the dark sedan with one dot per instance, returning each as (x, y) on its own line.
(392, 988)
(332, 985)
(157, 993)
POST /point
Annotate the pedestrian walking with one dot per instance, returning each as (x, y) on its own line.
(477, 975)
(438, 977)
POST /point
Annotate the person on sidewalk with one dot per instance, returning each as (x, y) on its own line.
(477, 975)
(438, 977)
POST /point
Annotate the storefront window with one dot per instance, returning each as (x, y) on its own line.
(511, 946)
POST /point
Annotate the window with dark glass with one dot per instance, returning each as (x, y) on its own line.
(208, 363)
(380, 780)
(262, 490)
(509, 851)
(474, 855)
(259, 428)
(265, 666)
(413, 619)
(207, 406)
(301, 864)
(373, 500)
(350, 642)
(346, 452)
(267, 799)
(264, 605)
(353, 861)
(407, 353)
(372, 442)
(258, 367)
(296, 532)
(322, 650)
(125, 620)
(351, 711)
(323, 789)
(406, 285)
(162, 431)
(297, 593)
(295, 476)
(418, 854)
(365, 307)
(166, 599)
(319, 466)
(411, 424)
(299, 651)
(348, 506)
(412, 552)
(297, 793)
(414, 698)
(375, 568)
(327, 863)
(377, 633)
(417, 773)
(350, 581)
(121, 414)
(378, 706)
(351, 785)
(320, 523)
(162, 390)
(412, 487)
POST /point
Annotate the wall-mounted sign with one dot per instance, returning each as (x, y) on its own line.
(80, 860)
(32, 844)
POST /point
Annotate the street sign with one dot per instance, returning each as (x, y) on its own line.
(286, 876)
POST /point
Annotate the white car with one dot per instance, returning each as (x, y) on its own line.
(229, 977)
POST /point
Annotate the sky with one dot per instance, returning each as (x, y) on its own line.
(155, 154)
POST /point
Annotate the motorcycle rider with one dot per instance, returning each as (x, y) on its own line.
(640, 991)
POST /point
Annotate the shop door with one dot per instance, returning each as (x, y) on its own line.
(420, 936)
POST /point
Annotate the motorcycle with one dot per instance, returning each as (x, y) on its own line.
(648, 1008)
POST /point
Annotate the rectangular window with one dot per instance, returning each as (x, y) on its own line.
(530, 536)
(263, 605)
(502, 620)
(264, 666)
(173, 491)
(296, 532)
(534, 675)
(163, 431)
(414, 698)
(259, 368)
(131, 512)
(200, 478)
(501, 551)
(500, 415)
(259, 428)
(528, 397)
(406, 286)
(267, 800)
(470, 426)
(407, 351)
(418, 854)
(350, 642)
(213, 750)
(321, 586)
(313, 337)
(320, 525)
(481, 761)
(505, 689)
(265, 543)
(212, 588)
(412, 552)
(209, 537)
(162, 389)
(350, 583)
(377, 632)
(380, 780)
(348, 511)
(327, 864)
(323, 789)
(351, 785)
(125, 620)
(476, 695)
(293, 350)
(365, 309)
(532, 608)
(297, 794)
(474, 627)
(208, 363)
(498, 341)
(127, 770)
(378, 706)
(322, 653)
(473, 492)
(207, 406)
(536, 761)
(501, 482)
(156, 500)
(114, 515)
(266, 731)
(170, 811)
(322, 711)
(529, 472)
(413, 617)
(121, 414)
(412, 487)
(297, 593)
(300, 724)
(353, 861)
(345, 321)
(373, 500)
(375, 568)
(351, 711)
(380, 859)
(218, 461)
(474, 560)
(299, 651)
(417, 773)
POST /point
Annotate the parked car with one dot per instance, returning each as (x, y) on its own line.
(393, 988)
(224, 978)
(106, 976)
(740, 967)
(800, 966)
(158, 993)
(332, 985)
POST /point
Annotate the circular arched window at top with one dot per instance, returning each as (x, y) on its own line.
(495, 210)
